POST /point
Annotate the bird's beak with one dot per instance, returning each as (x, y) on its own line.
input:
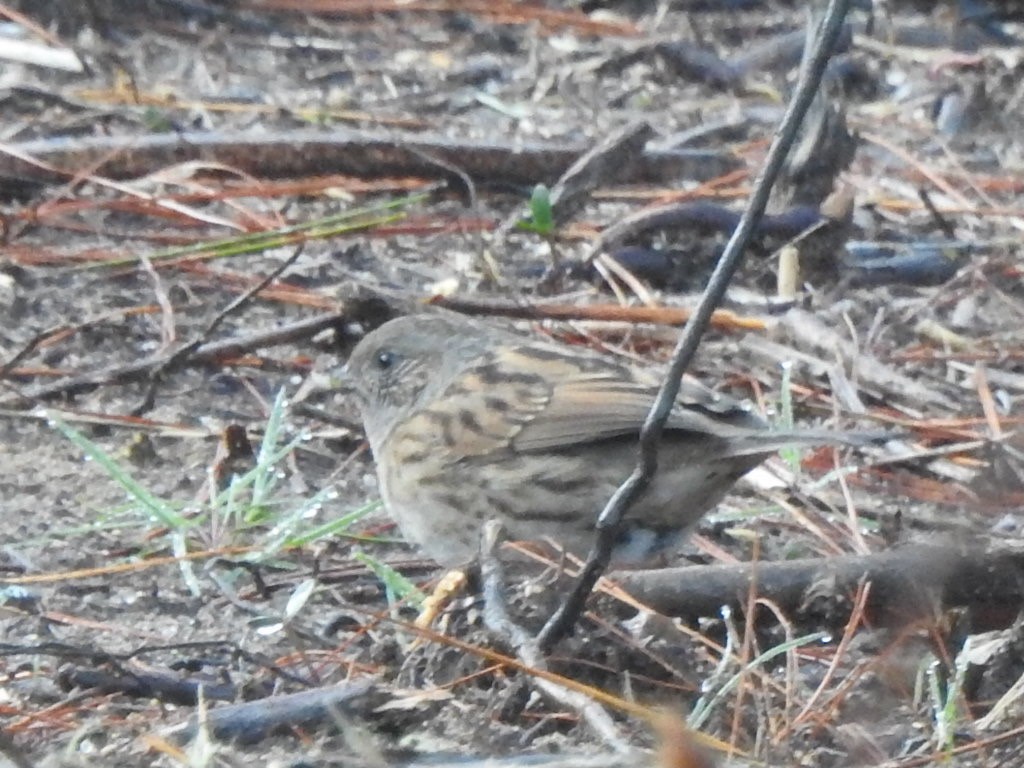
(340, 380)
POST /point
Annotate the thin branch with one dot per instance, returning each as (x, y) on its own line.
(138, 369)
(611, 517)
(182, 353)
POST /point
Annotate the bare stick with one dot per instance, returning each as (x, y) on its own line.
(611, 517)
(178, 356)
(209, 352)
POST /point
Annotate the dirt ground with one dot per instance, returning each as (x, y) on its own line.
(907, 317)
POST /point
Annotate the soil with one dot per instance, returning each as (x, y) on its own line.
(87, 582)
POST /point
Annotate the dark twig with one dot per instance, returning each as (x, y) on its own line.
(162, 685)
(251, 721)
(214, 350)
(63, 329)
(612, 515)
(27, 349)
(454, 172)
(609, 160)
(176, 358)
(948, 231)
(603, 163)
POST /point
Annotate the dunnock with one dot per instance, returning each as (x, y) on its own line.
(468, 422)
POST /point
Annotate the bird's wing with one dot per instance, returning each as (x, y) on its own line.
(534, 397)
(589, 398)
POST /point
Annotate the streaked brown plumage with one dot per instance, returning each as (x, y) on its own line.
(468, 422)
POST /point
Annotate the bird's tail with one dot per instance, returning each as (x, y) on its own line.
(770, 441)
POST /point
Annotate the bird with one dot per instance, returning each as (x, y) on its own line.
(468, 421)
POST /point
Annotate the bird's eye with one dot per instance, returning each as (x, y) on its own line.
(385, 359)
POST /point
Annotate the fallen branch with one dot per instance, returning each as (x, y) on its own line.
(254, 720)
(305, 153)
(908, 583)
(162, 686)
